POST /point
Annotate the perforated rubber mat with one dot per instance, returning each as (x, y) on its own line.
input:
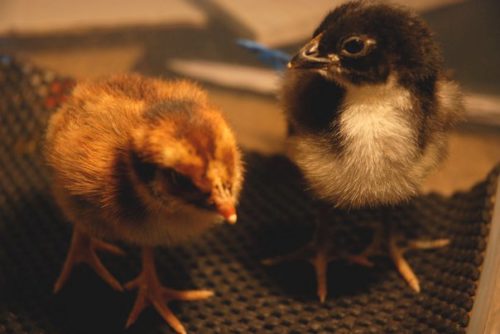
(276, 216)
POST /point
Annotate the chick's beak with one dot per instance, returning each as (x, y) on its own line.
(227, 211)
(309, 57)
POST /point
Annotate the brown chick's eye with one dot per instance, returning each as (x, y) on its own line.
(181, 186)
(355, 46)
(178, 183)
(145, 171)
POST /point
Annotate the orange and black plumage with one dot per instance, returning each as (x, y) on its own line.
(143, 161)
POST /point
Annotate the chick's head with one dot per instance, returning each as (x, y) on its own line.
(185, 154)
(363, 42)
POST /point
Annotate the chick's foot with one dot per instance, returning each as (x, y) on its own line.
(396, 252)
(385, 242)
(317, 255)
(151, 291)
(83, 249)
(395, 246)
(323, 249)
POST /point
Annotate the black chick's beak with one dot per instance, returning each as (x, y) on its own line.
(309, 57)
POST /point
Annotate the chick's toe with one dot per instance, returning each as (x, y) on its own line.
(82, 250)
(396, 252)
(151, 291)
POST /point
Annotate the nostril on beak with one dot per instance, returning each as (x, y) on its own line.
(309, 57)
(311, 50)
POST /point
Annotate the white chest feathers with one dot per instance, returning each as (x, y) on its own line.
(375, 124)
(378, 149)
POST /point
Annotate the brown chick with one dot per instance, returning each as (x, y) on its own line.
(144, 161)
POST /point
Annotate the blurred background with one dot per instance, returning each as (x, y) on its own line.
(197, 39)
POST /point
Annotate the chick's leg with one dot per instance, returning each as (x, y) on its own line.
(151, 291)
(375, 248)
(82, 249)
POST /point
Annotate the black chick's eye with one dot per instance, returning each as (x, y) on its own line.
(356, 46)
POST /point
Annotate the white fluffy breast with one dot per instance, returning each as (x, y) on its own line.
(378, 149)
(375, 126)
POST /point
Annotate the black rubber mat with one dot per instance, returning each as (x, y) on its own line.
(275, 217)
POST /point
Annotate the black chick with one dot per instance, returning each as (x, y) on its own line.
(368, 106)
